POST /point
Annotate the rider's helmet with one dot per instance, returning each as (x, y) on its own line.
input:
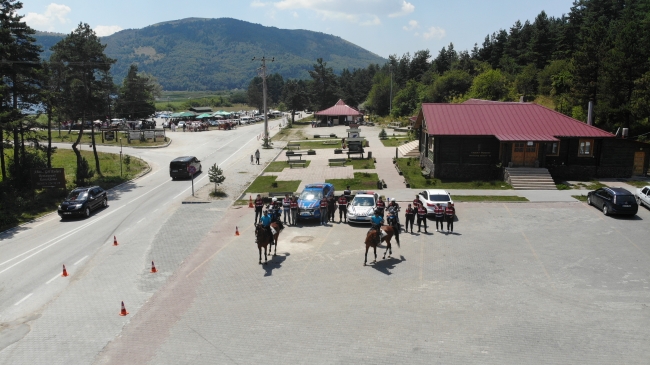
(274, 199)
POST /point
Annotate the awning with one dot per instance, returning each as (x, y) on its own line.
(204, 115)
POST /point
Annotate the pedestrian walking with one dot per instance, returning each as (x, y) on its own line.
(331, 208)
(323, 210)
(450, 212)
(410, 218)
(286, 206)
(343, 208)
(439, 214)
(259, 205)
(294, 210)
(251, 159)
(257, 156)
(422, 217)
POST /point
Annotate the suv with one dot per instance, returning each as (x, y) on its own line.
(613, 201)
(362, 207)
(81, 201)
(180, 166)
(309, 200)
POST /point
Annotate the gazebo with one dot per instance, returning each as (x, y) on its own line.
(339, 113)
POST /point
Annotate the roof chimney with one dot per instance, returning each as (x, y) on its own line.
(625, 132)
(521, 99)
(590, 113)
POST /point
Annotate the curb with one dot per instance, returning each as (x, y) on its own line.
(161, 146)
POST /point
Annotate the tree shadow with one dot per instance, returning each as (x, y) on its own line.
(384, 266)
(274, 263)
(116, 192)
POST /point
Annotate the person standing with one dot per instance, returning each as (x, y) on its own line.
(450, 211)
(348, 194)
(381, 205)
(184, 126)
(410, 218)
(259, 205)
(257, 156)
(416, 202)
(323, 210)
(422, 217)
(286, 206)
(331, 208)
(294, 210)
(343, 208)
(439, 213)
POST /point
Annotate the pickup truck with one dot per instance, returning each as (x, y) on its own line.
(643, 196)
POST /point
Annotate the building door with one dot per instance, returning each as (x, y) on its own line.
(524, 154)
(639, 159)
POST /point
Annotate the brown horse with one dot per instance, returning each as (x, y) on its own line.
(371, 240)
(263, 240)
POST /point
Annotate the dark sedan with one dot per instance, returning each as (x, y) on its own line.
(613, 201)
(82, 201)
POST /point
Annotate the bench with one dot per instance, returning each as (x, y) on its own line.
(355, 153)
(294, 153)
(316, 135)
(302, 163)
(333, 135)
(337, 161)
(294, 157)
(293, 146)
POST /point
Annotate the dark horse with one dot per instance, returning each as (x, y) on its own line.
(371, 240)
(263, 239)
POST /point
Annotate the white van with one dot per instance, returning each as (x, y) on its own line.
(245, 120)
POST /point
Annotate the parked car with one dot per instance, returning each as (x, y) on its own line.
(180, 124)
(613, 201)
(309, 200)
(431, 197)
(643, 196)
(362, 207)
(180, 166)
(82, 201)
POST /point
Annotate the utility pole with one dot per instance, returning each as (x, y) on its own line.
(262, 73)
(390, 102)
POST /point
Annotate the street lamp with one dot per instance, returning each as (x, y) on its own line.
(263, 75)
(120, 156)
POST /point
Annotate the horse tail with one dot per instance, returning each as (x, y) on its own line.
(397, 237)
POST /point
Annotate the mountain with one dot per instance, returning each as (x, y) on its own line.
(215, 54)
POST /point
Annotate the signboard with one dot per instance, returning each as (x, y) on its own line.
(191, 170)
(531, 143)
(159, 134)
(134, 135)
(148, 134)
(48, 178)
(109, 135)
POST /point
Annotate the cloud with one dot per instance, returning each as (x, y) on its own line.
(374, 21)
(413, 24)
(434, 33)
(257, 4)
(106, 30)
(55, 14)
(295, 14)
(407, 8)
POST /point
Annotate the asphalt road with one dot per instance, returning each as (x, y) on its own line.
(32, 255)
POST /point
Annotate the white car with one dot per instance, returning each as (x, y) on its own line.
(362, 207)
(431, 197)
(180, 124)
(643, 196)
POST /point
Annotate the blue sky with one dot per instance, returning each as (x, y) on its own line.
(384, 27)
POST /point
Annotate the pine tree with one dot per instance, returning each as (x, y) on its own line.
(215, 174)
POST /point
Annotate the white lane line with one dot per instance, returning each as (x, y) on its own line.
(81, 259)
(156, 210)
(24, 299)
(51, 244)
(54, 278)
(140, 220)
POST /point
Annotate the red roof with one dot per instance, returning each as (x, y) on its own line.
(340, 108)
(505, 121)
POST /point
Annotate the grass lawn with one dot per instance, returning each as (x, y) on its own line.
(637, 183)
(589, 185)
(278, 166)
(394, 142)
(361, 181)
(364, 164)
(488, 198)
(413, 174)
(85, 139)
(267, 184)
(31, 206)
(582, 198)
(317, 145)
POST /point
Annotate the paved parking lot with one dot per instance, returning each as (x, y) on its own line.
(518, 283)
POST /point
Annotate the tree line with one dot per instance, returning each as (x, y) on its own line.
(599, 51)
(75, 86)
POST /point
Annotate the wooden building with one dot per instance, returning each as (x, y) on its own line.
(476, 140)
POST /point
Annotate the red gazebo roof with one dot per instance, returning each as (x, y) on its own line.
(339, 109)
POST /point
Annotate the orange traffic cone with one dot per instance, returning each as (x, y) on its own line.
(65, 272)
(115, 241)
(250, 201)
(153, 267)
(123, 312)
(236, 231)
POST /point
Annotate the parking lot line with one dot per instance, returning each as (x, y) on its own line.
(633, 244)
(538, 260)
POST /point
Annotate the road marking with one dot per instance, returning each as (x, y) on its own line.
(538, 260)
(24, 299)
(156, 210)
(508, 209)
(140, 220)
(81, 259)
(51, 280)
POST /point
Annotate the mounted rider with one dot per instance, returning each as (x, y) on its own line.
(376, 220)
(393, 210)
(265, 221)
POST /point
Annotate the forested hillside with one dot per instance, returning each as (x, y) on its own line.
(215, 54)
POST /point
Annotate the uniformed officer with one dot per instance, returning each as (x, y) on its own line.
(422, 217)
(450, 211)
(416, 202)
(286, 205)
(331, 208)
(439, 214)
(410, 218)
(294, 210)
(343, 208)
(381, 205)
(259, 205)
(323, 210)
(348, 194)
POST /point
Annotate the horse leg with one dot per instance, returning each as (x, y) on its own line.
(265, 257)
(375, 250)
(275, 250)
(366, 258)
(260, 250)
(390, 250)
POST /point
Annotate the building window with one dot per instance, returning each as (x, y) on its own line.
(586, 148)
(552, 148)
(519, 146)
(430, 149)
